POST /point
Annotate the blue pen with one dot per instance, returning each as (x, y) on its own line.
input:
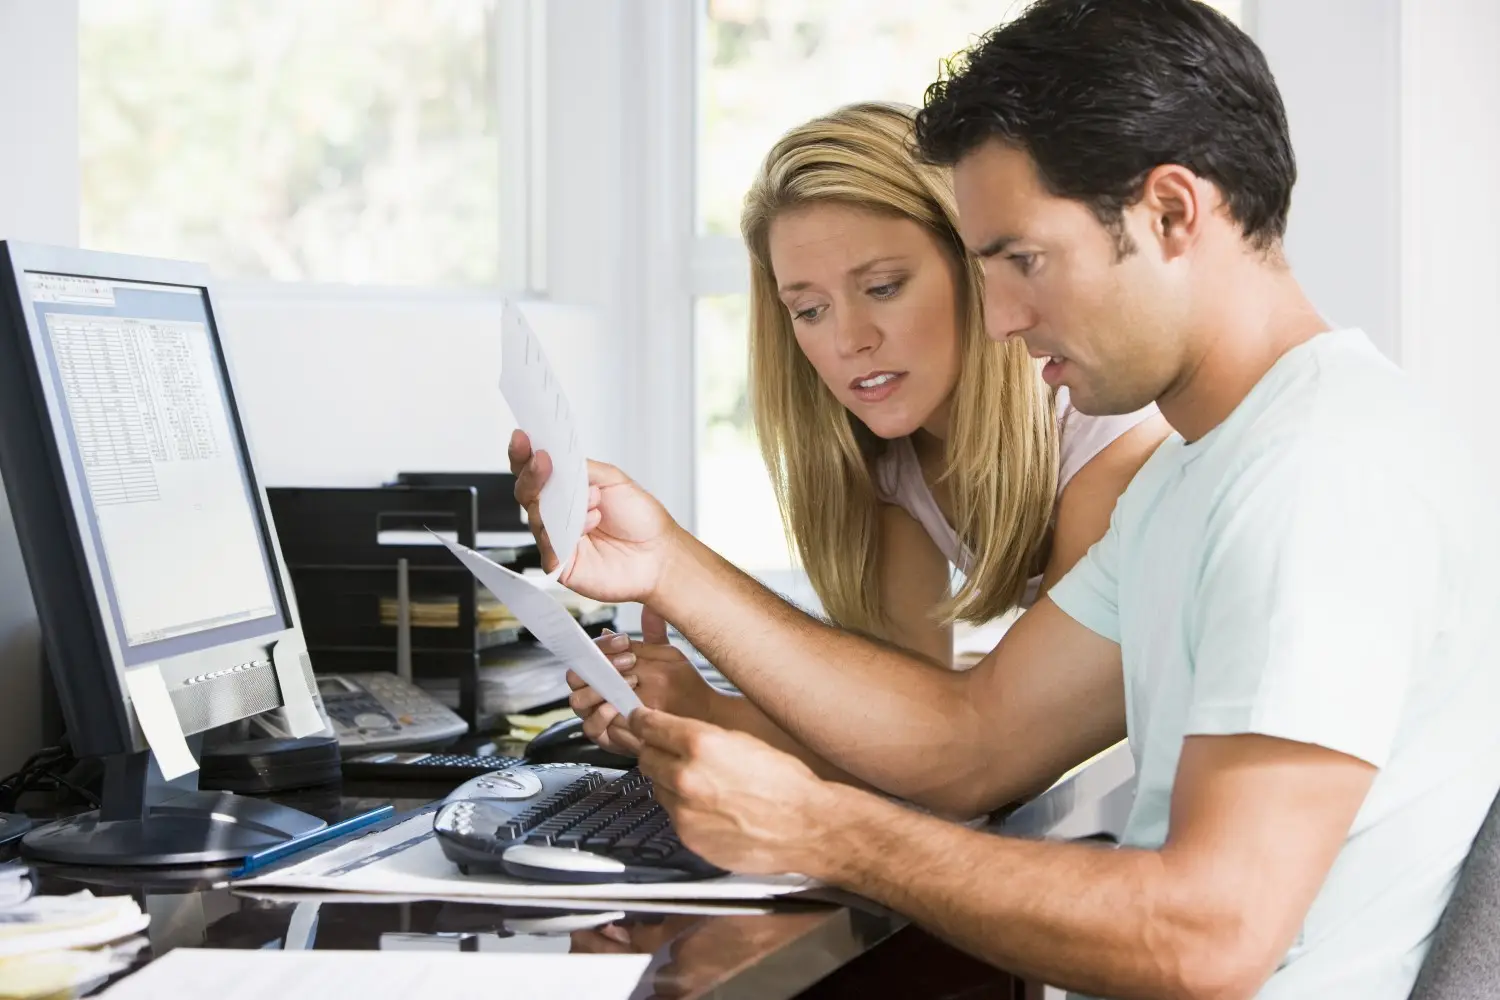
(261, 859)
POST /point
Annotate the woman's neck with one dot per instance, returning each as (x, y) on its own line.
(930, 442)
(938, 422)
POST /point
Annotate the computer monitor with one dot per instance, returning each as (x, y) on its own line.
(146, 537)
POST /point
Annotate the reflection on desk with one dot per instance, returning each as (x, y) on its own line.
(775, 953)
(392, 975)
(766, 951)
(719, 952)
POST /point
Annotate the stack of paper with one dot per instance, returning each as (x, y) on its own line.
(512, 679)
(82, 920)
(48, 975)
(55, 945)
(443, 613)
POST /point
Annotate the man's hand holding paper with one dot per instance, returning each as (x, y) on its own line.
(537, 400)
(628, 535)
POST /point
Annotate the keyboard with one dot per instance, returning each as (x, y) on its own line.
(573, 823)
(387, 765)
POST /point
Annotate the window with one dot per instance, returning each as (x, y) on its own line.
(337, 141)
(765, 66)
(736, 508)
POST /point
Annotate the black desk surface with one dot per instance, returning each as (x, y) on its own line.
(783, 952)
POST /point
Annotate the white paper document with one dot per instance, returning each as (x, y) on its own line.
(552, 625)
(82, 920)
(541, 409)
(407, 860)
(158, 719)
(254, 974)
(592, 911)
(302, 715)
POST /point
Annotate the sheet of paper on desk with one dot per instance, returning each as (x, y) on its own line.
(254, 974)
(564, 905)
(552, 625)
(541, 409)
(407, 860)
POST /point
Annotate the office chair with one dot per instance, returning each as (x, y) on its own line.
(1464, 961)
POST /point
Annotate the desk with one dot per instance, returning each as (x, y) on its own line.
(783, 953)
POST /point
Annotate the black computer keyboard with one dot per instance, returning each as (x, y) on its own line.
(564, 823)
(388, 765)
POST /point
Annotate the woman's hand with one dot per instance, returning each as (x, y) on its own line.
(661, 675)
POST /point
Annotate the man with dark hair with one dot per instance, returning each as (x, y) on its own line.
(1215, 108)
(1290, 616)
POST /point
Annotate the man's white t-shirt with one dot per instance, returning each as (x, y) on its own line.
(1320, 567)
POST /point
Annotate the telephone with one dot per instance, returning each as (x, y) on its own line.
(375, 711)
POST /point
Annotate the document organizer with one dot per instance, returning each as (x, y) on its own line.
(343, 562)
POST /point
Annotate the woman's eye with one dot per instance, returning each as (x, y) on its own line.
(1024, 261)
(886, 290)
(807, 315)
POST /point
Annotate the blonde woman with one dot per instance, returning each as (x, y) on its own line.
(901, 440)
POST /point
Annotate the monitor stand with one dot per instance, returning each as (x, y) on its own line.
(146, 820)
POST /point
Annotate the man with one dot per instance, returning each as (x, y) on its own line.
(1289, 616)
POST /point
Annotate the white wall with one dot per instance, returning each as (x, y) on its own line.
(1337, 64)
(38, 203)
(39, 121)
(1450, 280)
(1393, 108)
(346, 387)
(592, 189)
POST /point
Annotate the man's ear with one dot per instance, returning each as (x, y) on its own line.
(1176, 202)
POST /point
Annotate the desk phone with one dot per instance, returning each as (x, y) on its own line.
(380, 711)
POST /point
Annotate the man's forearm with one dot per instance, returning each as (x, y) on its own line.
(884, 716)
(741, 714)
(1116, 923)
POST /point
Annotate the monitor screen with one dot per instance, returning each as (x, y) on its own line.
(172, 509)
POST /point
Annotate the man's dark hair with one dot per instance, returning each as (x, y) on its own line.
(1101, 92)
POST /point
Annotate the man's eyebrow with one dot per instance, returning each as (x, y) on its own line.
(996, 245)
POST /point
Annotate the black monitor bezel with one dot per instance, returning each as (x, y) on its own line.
(86, 659)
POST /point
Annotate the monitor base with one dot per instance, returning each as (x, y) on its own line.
(185, 829)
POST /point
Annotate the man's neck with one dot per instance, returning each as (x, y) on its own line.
(1255, 318)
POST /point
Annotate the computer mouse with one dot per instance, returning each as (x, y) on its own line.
(565, 743)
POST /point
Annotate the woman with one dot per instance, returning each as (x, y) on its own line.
(901, 441)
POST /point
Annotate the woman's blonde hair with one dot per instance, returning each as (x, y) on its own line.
(1001, 460)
